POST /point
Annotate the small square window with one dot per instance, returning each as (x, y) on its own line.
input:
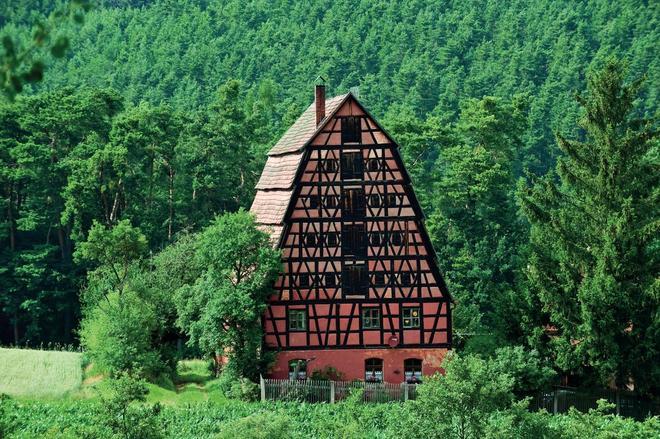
(379, 279)
(303, 280)
(329, 165)
(330, 202)
(375, 238)
(310, 239)
(333, 239)
(397, 238)
(297, 320)
(373, 165)
(405, 279)
(391, 200)
(313, 201)
(410, 317)
(370, 318)
(374, 200)
(330, 280)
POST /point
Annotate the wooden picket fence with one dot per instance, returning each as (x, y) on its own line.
(333, 391)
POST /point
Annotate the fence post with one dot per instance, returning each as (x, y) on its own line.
(262, 384)
(555, 402)
(332, 392)
(618, 402)
(405, 391)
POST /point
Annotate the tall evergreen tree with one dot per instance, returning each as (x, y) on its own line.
(594, 248)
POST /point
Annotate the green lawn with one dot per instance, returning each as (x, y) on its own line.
(193, 383)
(36, 374)
(39, 374)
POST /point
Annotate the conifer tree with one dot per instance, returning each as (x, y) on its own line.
(593, 257)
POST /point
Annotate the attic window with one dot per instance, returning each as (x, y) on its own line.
(353, 203)
(329, 165)
(352, 166)
(310, 239)
(333, 239)
(330, 202)
(353, 240)
(373, 165)
(355, 280)
(350, 130)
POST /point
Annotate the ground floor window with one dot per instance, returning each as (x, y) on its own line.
(297, 369)
(373, 370)
(412, 368)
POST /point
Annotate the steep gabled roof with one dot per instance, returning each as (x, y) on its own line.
(275, 185)
(305, 127)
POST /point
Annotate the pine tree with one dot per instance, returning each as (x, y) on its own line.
(594, 241)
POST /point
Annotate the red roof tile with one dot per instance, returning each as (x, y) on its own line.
(280, 171)
(269, 207)
(275, 186)
(304, 128)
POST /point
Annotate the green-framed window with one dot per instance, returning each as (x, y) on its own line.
(297, 320)
(410, 317)
(370, 318)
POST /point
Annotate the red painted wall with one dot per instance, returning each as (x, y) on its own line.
(351, 361)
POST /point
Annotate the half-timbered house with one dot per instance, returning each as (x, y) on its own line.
(360, 289)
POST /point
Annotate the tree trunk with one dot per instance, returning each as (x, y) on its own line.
(15, 325)
(170, 203)
(10, 220)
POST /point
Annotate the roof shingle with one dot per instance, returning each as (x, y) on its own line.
(275, 186)
(304, 128)
(280, 171)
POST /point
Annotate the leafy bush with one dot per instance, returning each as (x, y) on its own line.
(327, 373)
(458, 403)
(262, 425)
(117, 336)
(598, 424)
(237, 387)
(123, 412)
(525, 367)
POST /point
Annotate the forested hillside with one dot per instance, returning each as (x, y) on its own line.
(160, 114)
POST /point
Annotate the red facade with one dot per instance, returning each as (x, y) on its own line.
(360, 289)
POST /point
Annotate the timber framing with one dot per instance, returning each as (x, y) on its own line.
(351, 216)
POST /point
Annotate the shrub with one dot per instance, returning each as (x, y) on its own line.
(327, 373)
(117, 336)
(598, 424)
(525, 367)
(518, 422)
(458, 403)
(124, 411)
(237, 387)
(263, 425)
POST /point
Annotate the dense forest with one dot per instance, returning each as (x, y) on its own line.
(159, 115)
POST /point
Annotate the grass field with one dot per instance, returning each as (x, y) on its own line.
(39, 374)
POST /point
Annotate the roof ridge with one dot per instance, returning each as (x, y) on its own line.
(298, 135)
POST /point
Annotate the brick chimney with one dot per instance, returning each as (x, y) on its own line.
(319, 99)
